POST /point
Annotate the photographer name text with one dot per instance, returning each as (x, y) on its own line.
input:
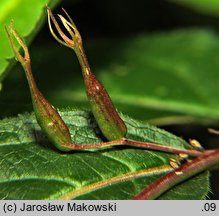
(70, 207)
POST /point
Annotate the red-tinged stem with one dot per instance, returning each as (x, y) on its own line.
(135, 143)
(198, 165)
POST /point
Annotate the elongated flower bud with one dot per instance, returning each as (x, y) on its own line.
(108, 119)
(47, 116)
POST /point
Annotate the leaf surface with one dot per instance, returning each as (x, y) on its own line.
(31, 168)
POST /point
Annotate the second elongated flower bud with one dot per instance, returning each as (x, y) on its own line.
(108, 119)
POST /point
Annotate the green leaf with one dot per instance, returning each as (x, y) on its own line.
(28, 17)
(32, 169)
(207, 7)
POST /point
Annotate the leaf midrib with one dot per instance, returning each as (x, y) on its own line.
(110, 181)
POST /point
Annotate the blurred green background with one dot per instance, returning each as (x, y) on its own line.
(159, 61)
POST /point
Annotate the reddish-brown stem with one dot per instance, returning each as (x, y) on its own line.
(158, 187)
(135, 143)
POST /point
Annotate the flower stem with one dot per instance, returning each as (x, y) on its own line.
(134, 143)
